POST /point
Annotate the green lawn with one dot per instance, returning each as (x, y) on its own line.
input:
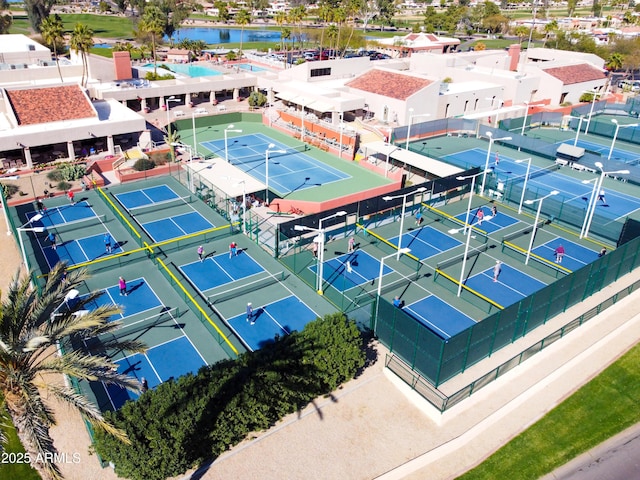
(601, 409)
(14, 470)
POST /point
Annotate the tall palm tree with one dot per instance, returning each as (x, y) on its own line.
(242, 18)
(325, 13)
(53, 33)
(153, 23)
(81, 41)
(30, 339)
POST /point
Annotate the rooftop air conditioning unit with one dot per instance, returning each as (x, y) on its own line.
(32, 48)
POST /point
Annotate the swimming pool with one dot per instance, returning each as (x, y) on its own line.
(250, 68)
(190, 70)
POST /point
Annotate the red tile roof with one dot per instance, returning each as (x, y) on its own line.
(390, 84)
(50, 104)
(571, 74)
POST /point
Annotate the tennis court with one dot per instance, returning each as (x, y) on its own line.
(143, 316)
(576, 256)
(289, 169)
(617, 153)
(73, 250)
(177, 216)
(140, 298)
(61, 215)
(440, 317)
(547, 179)
(351, 270)
(218, 270)
(512, 286)
(272, 320)
(426, 242)
(490, 223)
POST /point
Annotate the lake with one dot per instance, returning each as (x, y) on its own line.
(215, 35)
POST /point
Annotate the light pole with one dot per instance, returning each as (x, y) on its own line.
(586, 214)
(411, 115)
(597, 192)
(466, 222)
(593, 103)
(190, 150)
(244, 201)
(486, 163)
(575, 141)
(402, 251)
(302, 120)
(526, 113)
(228, 130)
(389, 152)
(535, 222)
(404, 205)
(167, 100)
(266, 159)
(193, 125)
(341, 126)
(320, 232)
(615, 134)
(526, 179)
(27, 228)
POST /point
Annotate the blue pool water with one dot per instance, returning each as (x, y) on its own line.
(250, 68)
(191, 70)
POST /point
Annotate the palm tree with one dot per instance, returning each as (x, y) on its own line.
(53, 33)
(242, 18)
(152, 23)
(81, 41)
(32, 332)
(325, 13)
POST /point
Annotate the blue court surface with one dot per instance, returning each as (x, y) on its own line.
(62, 215)
(157, 365)
(511, 287)
(220, 269)
(287, 173)
(575, 257)
(439, 316)
(274, 319)
(617, 154)
(146, 196)
(77, 250)
(140, 298)
(177, 226)
(351, 269)
(572, 191)
(426, 242)
(489, 223)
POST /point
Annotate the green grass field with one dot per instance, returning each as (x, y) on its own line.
(601, 409)
(14, 470)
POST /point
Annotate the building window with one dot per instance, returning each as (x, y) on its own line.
(320, 72)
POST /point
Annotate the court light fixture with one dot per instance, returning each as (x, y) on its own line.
(270, 149)
(404, 206)
(400, 251)
(229, 129)
(594, 196)
(535, 222)
(486, 163)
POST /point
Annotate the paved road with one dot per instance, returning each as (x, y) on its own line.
(616, 459)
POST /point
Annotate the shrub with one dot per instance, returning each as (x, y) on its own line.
(185, 422)
(257, 99)
(68, 172)
(143, 164)
(160, 158)
(63, 186)
(9, 190)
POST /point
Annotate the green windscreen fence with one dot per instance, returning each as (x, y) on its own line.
(439, 360)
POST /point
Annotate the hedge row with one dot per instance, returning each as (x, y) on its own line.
(186, 422)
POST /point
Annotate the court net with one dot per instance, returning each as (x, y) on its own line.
(154, 207)
(138, 328)
(272, 154)
(536, 172)
(455, 222)
(548, 266)
(246, 288)
(79, 224)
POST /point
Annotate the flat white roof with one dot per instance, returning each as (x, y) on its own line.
(16, 42)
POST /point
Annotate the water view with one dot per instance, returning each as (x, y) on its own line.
(214, 36)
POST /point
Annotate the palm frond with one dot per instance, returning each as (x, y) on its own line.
(88, 410)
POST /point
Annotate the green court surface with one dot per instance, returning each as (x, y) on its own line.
(183, 328)
(212, 128)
